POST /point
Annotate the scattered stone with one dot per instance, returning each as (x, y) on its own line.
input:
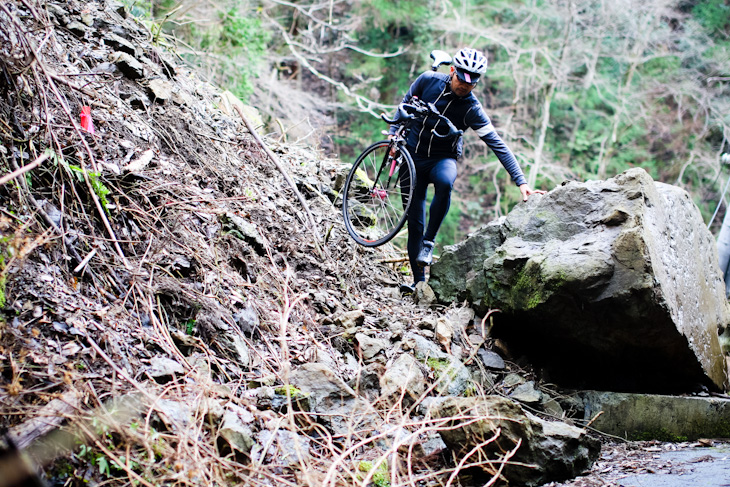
(248, 320)
(164, 369)
(350, 319)
(353, 417)
(225, 333)
(367, 380)
(236, 433)
(159, 90)
(76, 28)
(212, 410)
(397, 329)
(548, 450)
(527, 393)
(432, 444)
(56, 12)
(119, 44)
(491, 360)
(139, 101)
(552, 407)
(324, 388)
(513, 380)
(421, 346)
(200, 363)
(427, 323)
(338, 406)
(324, 301)
(424, 295)
(403, 379)
(175, 414)
(370, 347)
(181, 98)
(246, 230)
(452, 376)
(128, 65)
(461, 318)
(60, 326)
(87, 18)
(281, 447)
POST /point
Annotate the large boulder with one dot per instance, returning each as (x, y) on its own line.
(536, 451)
(609, 284)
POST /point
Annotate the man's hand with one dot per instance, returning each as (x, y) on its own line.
(527, 191)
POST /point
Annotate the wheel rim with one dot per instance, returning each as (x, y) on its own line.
(376, 201)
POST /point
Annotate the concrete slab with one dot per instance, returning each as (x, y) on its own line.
(650, 416)
(706, 468)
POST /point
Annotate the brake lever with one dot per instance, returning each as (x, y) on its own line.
(401, 115)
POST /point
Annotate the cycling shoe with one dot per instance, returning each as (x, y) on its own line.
(425, 256)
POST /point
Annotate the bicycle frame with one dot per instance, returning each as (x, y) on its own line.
(399, 141)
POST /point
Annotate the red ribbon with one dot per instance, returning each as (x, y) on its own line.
(86, 122)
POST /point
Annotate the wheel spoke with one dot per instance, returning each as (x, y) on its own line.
(374, 203)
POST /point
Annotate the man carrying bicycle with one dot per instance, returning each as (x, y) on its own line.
(435, 157)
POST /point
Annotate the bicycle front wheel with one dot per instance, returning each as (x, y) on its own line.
(377, 194)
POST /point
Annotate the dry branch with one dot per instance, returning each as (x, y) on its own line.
(24, 169)
(280, 167)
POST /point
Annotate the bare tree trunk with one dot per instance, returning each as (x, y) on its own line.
(620, 104)
(535, 168)
(723, 250)
(549, 92)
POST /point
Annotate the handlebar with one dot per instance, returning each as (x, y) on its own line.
(419, 109)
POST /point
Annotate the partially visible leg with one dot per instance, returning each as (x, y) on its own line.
(443, 176)
(416, 224)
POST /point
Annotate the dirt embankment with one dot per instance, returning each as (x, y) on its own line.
(166, 234)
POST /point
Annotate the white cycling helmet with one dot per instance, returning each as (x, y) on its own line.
(470, 64)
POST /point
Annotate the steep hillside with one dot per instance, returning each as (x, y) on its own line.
(166, 233)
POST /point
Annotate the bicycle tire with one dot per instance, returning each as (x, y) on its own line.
(374, 203)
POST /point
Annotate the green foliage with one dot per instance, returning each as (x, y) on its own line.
(237, 40)
(241, 41)
(80, 174)
(714, 15)
(139, 8)
(380, 478)
(289, 390)
(3, 283)
(438, 364)
(97, 185)
(4, 257)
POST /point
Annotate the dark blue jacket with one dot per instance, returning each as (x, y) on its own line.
(464, 113)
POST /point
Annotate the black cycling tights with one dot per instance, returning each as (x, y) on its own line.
(442, 173)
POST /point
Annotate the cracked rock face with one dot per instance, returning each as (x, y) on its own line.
(607, 284)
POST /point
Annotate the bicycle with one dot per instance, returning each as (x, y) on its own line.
(379, 188)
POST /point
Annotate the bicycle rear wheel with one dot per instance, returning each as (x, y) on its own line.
(377, 194)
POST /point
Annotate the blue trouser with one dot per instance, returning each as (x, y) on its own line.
(441, 171)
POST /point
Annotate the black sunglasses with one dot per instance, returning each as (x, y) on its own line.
(472, 83)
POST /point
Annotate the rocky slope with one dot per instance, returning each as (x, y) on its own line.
(171, 314)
